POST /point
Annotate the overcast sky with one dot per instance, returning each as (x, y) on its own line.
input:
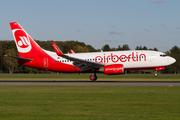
(151, 23)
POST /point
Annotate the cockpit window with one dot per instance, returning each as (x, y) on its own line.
(163, 55)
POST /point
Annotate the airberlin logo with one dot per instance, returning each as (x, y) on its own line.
(134, 56)
(22, 40)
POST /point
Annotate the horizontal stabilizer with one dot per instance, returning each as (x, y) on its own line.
(19, 58)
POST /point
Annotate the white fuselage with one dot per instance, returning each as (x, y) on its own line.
(129, 59)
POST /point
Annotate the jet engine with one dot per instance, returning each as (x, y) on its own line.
(112, 69)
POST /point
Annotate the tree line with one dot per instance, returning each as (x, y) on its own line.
(10, 65)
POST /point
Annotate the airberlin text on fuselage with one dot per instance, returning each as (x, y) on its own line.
(134, 56)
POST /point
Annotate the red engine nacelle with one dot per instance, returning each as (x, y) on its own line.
(160, 68)
(113, 69)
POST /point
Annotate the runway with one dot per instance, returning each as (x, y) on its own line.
(89, 83)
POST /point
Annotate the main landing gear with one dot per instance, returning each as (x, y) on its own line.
(93, 77)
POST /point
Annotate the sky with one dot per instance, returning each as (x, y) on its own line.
(150, 23)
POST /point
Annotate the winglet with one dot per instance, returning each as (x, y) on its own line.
(72, 51)
(57, 50)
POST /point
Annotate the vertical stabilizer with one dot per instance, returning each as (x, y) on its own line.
(27, 47)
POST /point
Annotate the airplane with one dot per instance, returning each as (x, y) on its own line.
(109, 63)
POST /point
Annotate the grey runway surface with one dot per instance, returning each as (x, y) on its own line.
(89, 83)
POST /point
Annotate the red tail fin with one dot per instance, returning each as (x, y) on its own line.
(26, 46)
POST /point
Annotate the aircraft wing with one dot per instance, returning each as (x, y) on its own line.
(82, 64)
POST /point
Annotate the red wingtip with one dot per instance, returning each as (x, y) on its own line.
(57, 50)
(72, 51)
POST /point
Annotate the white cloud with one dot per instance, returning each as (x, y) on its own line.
(146, 30)
(115, 32)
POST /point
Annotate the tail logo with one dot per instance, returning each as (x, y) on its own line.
(22, 40)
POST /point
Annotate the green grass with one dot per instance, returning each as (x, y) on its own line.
(85, 77)
(89, 103)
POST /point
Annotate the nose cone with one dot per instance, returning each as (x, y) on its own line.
(172, 60)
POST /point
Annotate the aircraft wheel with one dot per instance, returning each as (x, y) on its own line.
(155, 74)
(93, 77)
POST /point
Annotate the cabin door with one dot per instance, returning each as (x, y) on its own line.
(45, 62)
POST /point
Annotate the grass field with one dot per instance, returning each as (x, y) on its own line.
(85, 77)
(89, 103)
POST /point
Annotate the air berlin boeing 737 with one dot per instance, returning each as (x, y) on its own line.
(110, 63)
